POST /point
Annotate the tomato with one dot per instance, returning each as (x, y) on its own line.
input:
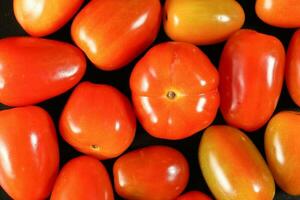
(98, 120)
(292, 75)
(232, 166)
(280, 13)
(282, 150)
(194, 195)
(251, 77)
(81, 178)
(43, 17)
(174, 90)
(113, 33)
(33, 70)
(151, 173)
(202, 22)
(29, 155)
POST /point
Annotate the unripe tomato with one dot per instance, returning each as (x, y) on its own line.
(193, 195)
(232, 166)
(202, 22)
(151, 173)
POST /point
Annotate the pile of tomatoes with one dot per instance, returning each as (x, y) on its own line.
(176, 92)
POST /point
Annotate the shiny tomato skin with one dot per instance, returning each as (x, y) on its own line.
(175, 90)
(233, 167)
(282, 150)
(194, 195)
(279, 13)
(81, 178)
(43, 17)
(202, 22)
(151, 173)
(113, 33)
(98, 120)
(251, 77)
(34, 69)
(29, 155)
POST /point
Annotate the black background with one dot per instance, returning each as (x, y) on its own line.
(119, 79)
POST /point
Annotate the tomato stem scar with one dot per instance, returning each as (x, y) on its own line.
(171, 95)
(94, 146)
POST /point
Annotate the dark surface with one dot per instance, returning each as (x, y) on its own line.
(119, 79)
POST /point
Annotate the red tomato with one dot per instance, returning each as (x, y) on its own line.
(33, 70)
(174, 90)
(113, 33)
(292, 75)
(29, 154)
(251, 75)
(83, 178)
(194, 195)
(98, 120)
(282, 144)
(280, 13)
(43, 17)
(151, 173)
(233, 167)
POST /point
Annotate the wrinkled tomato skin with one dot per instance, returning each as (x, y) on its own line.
(279, 13)
(98, 120)
(113, 33)
(43, 17)
(151, 173)
(29, 155)
(81, 178)
(34, 69)
(201, 22)
(251, 76)
(194, 195)
(282, 150)
(175, 90)
(233, 167)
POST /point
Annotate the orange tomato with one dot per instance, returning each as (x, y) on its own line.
(29, 154)
(83, 178)
(202, 22)
(282, 150)
(232, 166)
(151, 173)
(43, 17)
(280, 13)
(174, 90)
(113, 33)
(98, 120)
(251, 77)
(193, 195)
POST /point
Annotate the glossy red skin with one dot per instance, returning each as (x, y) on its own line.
(151, 173)
(34, 69)
(43, 17)
(98, 120)
(194, 195)
(113, 33)
(29, 155)
(185, 70)
(251, 76)
(292, 73)
(81, 178)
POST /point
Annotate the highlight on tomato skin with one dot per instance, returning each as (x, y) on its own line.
(282, 150)
(193, 195)
(232, 166)
(153, 172)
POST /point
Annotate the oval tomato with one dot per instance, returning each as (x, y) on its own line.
(29, 154)
(280, 13)
(33, 69)
(174, 90)
(282, 150)
(83, 178)
(43, 17)
(151, 173)
(202, 22)
(113, 33)
(251, 76)
(193, 195)
(98, 120)
(232, 166)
